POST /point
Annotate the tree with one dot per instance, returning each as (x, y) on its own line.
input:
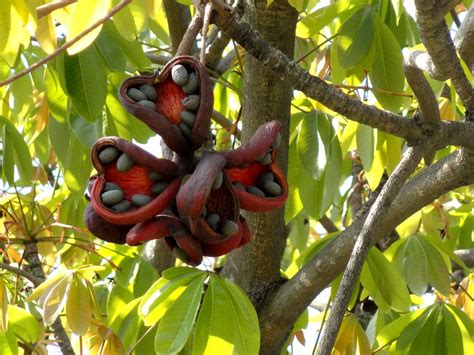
(377, 145)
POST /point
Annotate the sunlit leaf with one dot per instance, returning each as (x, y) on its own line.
(78, 306)
(8, 343)
(3, 306)
(351, 338)
(365, 145)
(56, 299)
(46, 34)
(23, 324)
(127, 323)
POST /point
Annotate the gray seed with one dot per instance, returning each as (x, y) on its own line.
(230, 227)
(111, 186)
(112, 197)
(185, 130)
(122, 206)
(267, 159)
(187, 117)
(108, 154)
(191, 102)
(191, 85)
(124, 163)
(272, 188)
(181, 254)
(149, 91)
(267, 176)
(141, 200)
(136, 95)
(154, 176)
(204, 212)
(213, 219)
(239, 185)
(276, 141)
(179, 74)
(148, 104)
(255, 191)
(159, 187)
(218, 181)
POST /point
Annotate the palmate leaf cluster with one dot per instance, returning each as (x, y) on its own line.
(109, 297)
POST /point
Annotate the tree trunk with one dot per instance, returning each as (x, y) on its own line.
(256, 267)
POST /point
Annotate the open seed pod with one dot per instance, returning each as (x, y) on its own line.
(154, 228)
(258, 182)
(104, 230)
(132, 185)
(184, 246)
(242, 237)
(176, 104)
(207, 202)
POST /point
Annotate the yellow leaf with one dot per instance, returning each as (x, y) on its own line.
(5, 22)
(46, 34)
(78, 306)
(125, 24)
(83, 15)
(45, 287)
(3, 306)
(351, 338)
(55, 300)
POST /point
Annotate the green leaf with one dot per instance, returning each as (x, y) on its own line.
(412, 330)
(453, 336)
(293, 204)
(365, 145)
(308, 143)
(444, 249)
(23, 324)
(8, 343)
(57, 99)
(383, 282)
(162, 294)
(85, 131)
(127, 323)
(438, 275)
(176, 325)
(225, 322)
(86, 82)
(430, 339)
(146, 275)
(3, 306)
(15, 154)
(355, 38)
(110, 51)
(387, 70)
(117, 299)
(78, 306)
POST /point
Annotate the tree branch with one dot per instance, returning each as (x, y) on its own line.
(178, 17)
(465, 37)
(187, 43)
(66, 45)
(46, 9)
(449, 132)
(363, 243)
(451, 172)
(466, 255)
(437, 40)
(35, 281)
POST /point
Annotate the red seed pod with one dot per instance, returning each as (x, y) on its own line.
(155, 228)
(102, 229)
(259, 183)
(185, 247)
(206, 195)
(147, 184)
(183, 133)
(242, 237)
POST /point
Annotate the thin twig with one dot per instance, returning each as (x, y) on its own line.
(35, 281)
(46, 9)
(366, 87)
(66, 45)
(205, 29)
(186, 45)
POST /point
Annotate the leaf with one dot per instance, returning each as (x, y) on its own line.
(57, 99)
(175, 326)
(15, 154)
(86, 82)
(127, 324)
(415, 266)
(383, 282)
(23, 324)
(78, 306)
(365, 145)
(411, 331)
(55, 299)
(453, 336)
(5, 22)
(85, 13)
(445, 249)
(351, 338)
(355, 38)
(110, 51)
(125, 24)
(3, 306)
(46, 286)
(430, 338)
(8, 343)
(387, 71)
(46, 34)
(308, 143)
(438, 275)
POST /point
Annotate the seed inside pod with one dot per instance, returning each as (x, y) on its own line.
(111, 186)
(179, 74)
(239, 185)
(122, 206)
(218, 181)
(185, 130)
(154, 176)
(266, 159)
(124, 163)
(255, 191)
(267, 176)
(230, 227)
(204, 212)
(272, 188)
(276, 141)
(191, 85)
(187, 117)
(158, 188)
(149, 91)
(141, 200)
(191, 102)
(148, 104)
(213, 220)
(108, 154)
(112, 197)
(180, 254)
(136, 94)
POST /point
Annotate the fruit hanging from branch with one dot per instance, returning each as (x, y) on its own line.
(194, 201)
